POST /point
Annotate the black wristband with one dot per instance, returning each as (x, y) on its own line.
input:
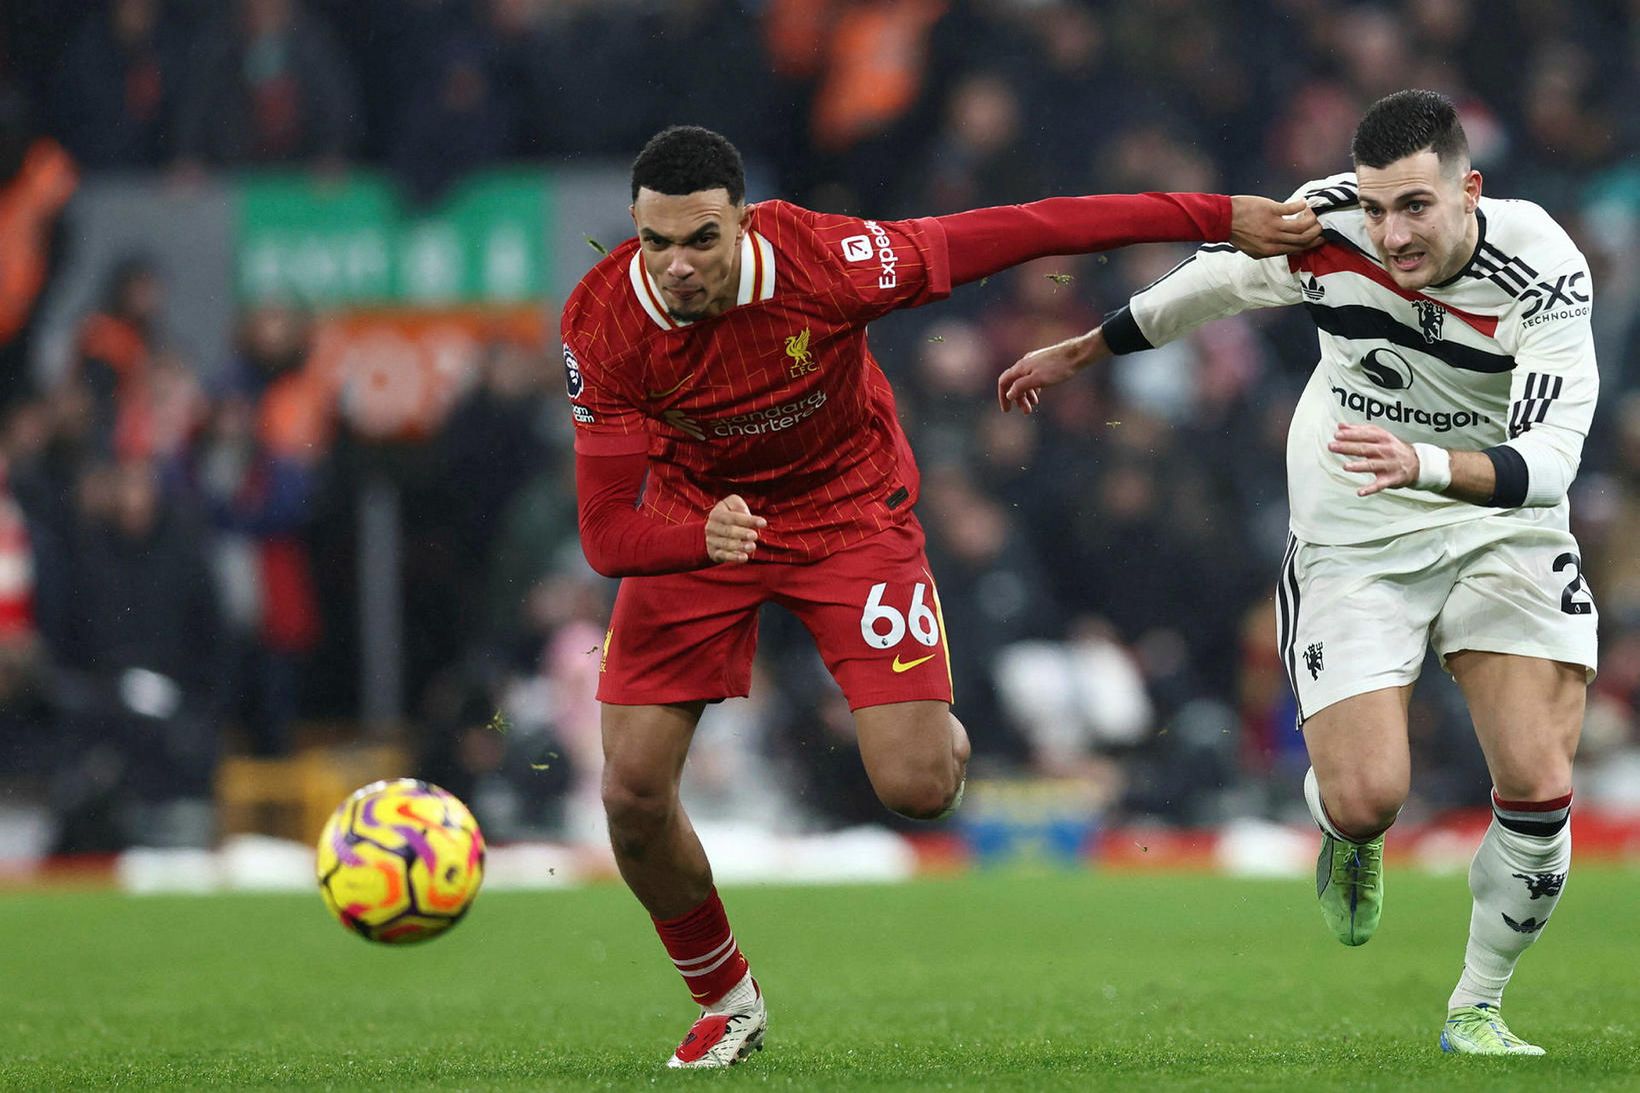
(1509, 469)
(1122, 333)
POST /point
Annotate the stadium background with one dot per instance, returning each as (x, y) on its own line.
(288, 490)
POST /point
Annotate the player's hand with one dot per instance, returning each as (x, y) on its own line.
(1021, 385)
(731, 531)
(1264, 228)
(1375, 451)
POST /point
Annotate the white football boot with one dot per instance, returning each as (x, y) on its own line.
(728, 1032)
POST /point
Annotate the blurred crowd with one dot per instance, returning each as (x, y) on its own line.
(179, 538)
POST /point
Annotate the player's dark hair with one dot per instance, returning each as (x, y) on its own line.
(1406, 123)
(685, 159)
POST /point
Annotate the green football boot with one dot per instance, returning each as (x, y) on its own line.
(1479, 1030)
(1349, 882)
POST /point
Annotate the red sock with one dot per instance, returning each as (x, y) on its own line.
(703, 947)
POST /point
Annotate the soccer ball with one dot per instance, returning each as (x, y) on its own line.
(400, 861)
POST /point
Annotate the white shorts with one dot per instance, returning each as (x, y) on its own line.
(1353, 619)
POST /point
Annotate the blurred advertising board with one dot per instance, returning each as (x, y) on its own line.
(405, 298)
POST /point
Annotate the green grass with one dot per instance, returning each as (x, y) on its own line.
(1019, 980)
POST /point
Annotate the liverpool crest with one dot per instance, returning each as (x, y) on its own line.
(797, 348)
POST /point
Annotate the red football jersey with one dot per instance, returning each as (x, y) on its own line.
(777, 399)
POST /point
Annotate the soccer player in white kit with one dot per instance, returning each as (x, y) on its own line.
(1428, 463)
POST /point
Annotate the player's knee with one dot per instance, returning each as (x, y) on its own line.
(1543, 780)
(961, 749)
(1365, 806)
(921, 796)
(638, 811)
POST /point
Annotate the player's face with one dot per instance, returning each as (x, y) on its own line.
(1421, 216)
(691, 247)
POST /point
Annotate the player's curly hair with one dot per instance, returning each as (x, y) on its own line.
(685, 159)
(1406, 123)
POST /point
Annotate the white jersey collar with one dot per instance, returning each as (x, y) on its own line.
(756, 280)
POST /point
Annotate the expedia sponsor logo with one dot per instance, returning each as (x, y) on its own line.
(771, 420)
(886, 257)
(857, 248)
(1388, 369)
(1440, 421)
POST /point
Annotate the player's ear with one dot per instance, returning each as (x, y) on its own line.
(1472, 190)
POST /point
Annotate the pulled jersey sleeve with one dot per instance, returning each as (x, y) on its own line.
(1552, 391)
(1216, 281)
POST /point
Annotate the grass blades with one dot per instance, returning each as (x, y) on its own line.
(994, 980)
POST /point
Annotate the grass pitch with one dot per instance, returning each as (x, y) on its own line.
(994, 980)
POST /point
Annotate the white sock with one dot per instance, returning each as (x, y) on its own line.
(740, 998)
(1516, 879)
(1318, 811)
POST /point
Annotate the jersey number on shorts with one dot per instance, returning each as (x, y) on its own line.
(883, 627)
(1569, 603)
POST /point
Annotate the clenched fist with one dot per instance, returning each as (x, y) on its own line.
(731, 531)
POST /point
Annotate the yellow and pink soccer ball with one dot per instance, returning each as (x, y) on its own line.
(400, 861)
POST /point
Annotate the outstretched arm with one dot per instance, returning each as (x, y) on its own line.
(983, 242)
(1212, 283)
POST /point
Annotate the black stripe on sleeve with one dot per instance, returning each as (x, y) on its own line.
(1122, 333)
(1509, 468)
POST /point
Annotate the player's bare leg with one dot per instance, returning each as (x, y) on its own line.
(661, 860)
(916, 754)
(656, 848)
(1360, 771)
(1528, 715)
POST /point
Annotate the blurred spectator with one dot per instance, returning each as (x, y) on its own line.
(267, 86)
(258, 503)
(873, 57)
(454, 120)
(36, 180)
(19, 641)
(295, 409)
(496, 439)
(979, 158)
(992, 594)
(117, 87)
(138, 637)
(1075, 701)
(115, 360)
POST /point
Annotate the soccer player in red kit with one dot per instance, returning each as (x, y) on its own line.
(736, 444)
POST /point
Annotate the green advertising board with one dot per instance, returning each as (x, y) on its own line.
(351, 242)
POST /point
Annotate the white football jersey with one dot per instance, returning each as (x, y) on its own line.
(1500, 356)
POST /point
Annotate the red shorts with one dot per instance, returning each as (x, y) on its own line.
(871, 607)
